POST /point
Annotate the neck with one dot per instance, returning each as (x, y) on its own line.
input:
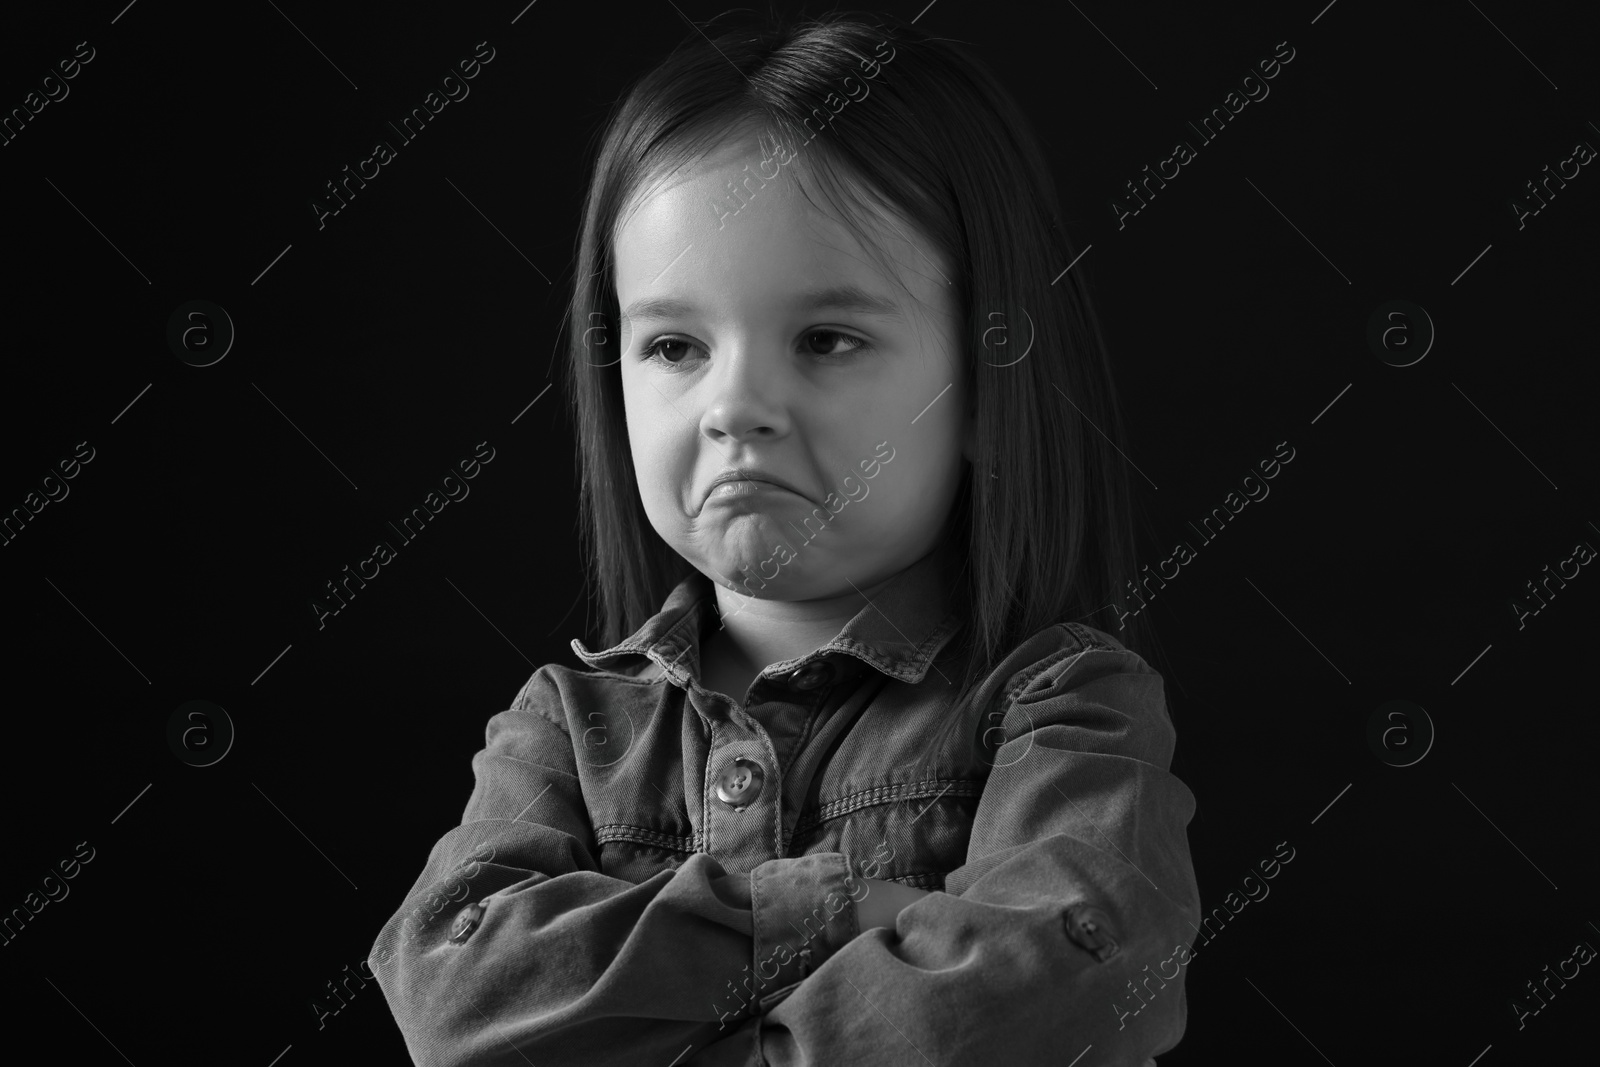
(755, 633)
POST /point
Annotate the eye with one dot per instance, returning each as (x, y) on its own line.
(856, 343)
(653, 351)
(658, 351)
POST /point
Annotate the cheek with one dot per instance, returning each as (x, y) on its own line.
(932, 468)
(637, 417)
(651, 463)
(636, 423)
(656, 442)
(886, 499)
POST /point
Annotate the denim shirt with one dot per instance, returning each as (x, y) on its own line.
(573, 917)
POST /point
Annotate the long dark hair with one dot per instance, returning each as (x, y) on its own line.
(1052, 538)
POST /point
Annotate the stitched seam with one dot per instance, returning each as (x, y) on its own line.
(526, 705)
(884, 664)
(601, 672)
(640, 829)
(624, 832)
(690, 617)
(1055, 659)
(1089, 640)
(887, 794)
(646, 844)
(865, 652)
(1027, 676)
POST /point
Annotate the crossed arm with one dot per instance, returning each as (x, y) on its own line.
(560, 960)
(880, 905)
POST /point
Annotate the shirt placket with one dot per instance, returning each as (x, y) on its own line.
(744, 774)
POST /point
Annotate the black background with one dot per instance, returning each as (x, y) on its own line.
(423, 319)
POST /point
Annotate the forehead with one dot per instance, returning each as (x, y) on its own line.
(686, 238)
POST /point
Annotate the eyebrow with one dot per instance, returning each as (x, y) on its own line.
(833, 298)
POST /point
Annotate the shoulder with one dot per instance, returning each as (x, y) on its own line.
(1066, 649)
(539, 692)
(555, 691)
(1085, 680)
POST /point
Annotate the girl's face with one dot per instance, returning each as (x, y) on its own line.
(770, 340)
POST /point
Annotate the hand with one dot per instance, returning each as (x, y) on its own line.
(883, 901)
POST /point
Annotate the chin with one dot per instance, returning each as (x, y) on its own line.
(736, 585)
(759, 567)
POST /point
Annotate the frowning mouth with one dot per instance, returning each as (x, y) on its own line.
(738, 488)
(734, 483)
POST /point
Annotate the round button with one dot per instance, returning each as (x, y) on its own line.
(740, 783)
(811, 675)
(467, 920)
(1090, 929)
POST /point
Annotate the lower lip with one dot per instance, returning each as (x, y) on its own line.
(741, 488)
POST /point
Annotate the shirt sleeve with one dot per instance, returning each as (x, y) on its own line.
(1065, 933)
(514, 946)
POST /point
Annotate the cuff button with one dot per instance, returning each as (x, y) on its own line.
(468, 919)
(1090, 929)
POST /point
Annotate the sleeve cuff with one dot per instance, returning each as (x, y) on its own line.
(804, 910)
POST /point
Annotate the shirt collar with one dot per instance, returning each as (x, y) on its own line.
(899, 633)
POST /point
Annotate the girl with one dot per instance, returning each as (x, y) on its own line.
(851, 781)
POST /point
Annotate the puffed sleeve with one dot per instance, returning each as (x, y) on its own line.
(513, 946)
(1059, 937)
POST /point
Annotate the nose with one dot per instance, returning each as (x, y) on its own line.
(748, 399)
